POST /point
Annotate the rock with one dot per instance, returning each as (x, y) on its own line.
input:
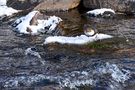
(57, 5)
(123, 6)
(22, 4)
(47, 5)
(30, 24)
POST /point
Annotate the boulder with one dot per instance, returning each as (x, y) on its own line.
(45, 5)
(57, 5)
(123, 6)
(22, 4)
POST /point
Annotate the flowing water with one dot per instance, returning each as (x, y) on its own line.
(102, 65)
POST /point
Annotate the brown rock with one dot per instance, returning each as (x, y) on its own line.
(46, 5)
(57, 5)
(124, 6)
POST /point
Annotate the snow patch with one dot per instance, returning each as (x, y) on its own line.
(82, 39)
(101, 11)
(5, 10)
(23, 23)
(3, 2)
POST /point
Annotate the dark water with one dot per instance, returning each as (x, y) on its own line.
(102, 65)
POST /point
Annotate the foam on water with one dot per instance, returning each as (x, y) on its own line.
(75, 79)
(117, 74)
(29, 51)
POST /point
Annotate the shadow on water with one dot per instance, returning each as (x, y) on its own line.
(104, 64)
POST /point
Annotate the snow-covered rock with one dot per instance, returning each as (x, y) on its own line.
(122, 6)
(100, 12)
(23, 24)
(5, 10)
(3, 2)
(82, 39)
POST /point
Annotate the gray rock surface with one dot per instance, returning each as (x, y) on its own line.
(124, 6)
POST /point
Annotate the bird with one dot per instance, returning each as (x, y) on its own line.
(89, 31)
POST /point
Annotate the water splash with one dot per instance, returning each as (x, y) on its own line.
(29, 51)
(75, 79)
(117, 74)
